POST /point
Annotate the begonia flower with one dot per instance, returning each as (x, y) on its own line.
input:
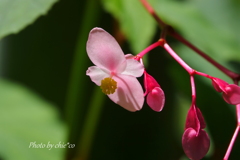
(195, 140)
(231, 92)
(154, 93)
(115, 74)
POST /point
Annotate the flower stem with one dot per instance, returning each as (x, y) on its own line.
(148, 49)
(178, 59)
(234, 76)
(226, 71)
(231, 143)
(234, 135)
(193, 89)
(203, 74)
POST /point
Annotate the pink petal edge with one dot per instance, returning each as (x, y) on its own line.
(129, 93)
(133, 68)
(97, 74)
(104, 51)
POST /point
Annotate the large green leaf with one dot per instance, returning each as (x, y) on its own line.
(135, 22)
(26, 120)
(17, 14)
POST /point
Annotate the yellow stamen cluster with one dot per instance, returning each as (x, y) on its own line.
(108, 85)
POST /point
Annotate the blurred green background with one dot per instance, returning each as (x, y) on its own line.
(46, 97)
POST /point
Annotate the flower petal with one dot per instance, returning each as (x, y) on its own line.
(96, 74)
(156, 99)
(129, 93)
(104, 51)
(219, 84)
(129, 56)
(200, 118)
(192, 119)
(133, 68)
(149, 82)
(195, 147)
(231, 94)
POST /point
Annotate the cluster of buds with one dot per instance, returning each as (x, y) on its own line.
(117, 74)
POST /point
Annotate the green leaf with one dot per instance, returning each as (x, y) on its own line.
(17, 14)
(26, 119)
(137, 25)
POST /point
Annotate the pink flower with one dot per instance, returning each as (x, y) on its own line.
(155, 95)
(195, 140)
(115, 74)
(231, 92)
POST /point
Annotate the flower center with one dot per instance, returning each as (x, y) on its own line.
(108, 85)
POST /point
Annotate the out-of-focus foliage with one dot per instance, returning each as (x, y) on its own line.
(17, 14)
(27, 124)
(137, 24)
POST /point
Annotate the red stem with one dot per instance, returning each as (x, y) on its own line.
(203, 74)
(148, 49)
(178, 59)
(193, 89)
(226, 71)
(231, 143)
(235, 77)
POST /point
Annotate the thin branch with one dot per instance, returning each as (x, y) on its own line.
(148, 49)
(193, 89)
(231, 143)
(226, 71)
(178, 59)
(235, 77)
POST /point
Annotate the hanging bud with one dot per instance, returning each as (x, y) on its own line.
(195, 140)
(155, 95)
(231, 92)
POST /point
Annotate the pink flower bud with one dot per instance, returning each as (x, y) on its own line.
(219, 84)
(195, 144)
(155, 95)
(231, 92)
(195, 140)
(195, 119)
